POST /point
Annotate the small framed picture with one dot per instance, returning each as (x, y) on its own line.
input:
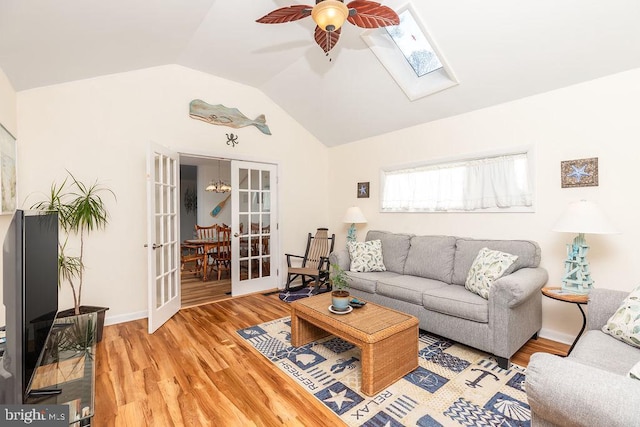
(579, 173)
(363, 190)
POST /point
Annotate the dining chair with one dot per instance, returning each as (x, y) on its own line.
(208, 233)
(222, 257)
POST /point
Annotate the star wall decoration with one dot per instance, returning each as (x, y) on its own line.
(579, 173)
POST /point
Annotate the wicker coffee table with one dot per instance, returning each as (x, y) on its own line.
(388, 339)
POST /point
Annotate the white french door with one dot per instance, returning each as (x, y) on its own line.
(254, 260)
(162, 235)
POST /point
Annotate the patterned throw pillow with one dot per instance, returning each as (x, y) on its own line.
(625, 322)
(366, 256)
(488, 267)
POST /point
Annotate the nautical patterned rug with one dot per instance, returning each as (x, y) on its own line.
(291, 296)
(453, 385)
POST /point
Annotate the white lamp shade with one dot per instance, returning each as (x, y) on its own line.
(354, 216)
(584, 217)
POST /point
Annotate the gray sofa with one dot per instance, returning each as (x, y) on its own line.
(425, 277)
(590, 386)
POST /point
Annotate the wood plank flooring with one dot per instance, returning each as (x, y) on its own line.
(196, 371)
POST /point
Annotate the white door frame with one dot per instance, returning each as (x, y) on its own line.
(276, 257)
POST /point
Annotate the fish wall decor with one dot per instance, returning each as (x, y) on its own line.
(224, 116)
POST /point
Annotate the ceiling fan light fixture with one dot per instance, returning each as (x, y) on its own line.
(330, 14)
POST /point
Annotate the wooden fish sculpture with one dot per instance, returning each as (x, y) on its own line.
(224, 116)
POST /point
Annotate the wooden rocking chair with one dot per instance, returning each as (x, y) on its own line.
(315, 262)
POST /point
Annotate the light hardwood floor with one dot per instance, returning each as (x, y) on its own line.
(196, 371)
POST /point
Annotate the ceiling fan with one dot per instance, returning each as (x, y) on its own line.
(329, 16)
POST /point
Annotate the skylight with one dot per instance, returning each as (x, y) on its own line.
(411, 56)
(414, 45)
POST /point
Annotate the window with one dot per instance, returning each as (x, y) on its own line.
(491, 183)
(414, 45)
(411, 56)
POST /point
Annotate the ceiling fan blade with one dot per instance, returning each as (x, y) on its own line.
(286, 14)
(370, 14)
(327, 39)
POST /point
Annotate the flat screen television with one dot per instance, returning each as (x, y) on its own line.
(30, 296)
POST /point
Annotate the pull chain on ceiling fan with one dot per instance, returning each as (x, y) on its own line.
(329, 15)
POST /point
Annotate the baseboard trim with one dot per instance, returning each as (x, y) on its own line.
(557, 336)
(122, 318)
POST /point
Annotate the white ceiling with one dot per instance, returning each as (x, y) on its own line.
(500, 50)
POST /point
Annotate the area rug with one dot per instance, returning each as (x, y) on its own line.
(291, 296)
(453, 385)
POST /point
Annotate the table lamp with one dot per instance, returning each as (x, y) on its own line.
(582, 217)
(353, 216)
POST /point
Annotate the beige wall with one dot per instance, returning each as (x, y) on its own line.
(100, 128)
(594, 119)
(8, 120)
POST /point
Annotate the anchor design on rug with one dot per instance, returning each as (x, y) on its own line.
(342, 365)
(476, 383)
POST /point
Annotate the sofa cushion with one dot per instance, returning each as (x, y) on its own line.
(597, 349)
(528, 253)
(458, 302)
(395, 248)
(624, 325)
(367, 282)
(488, 267)
(407, 288)
(431, 257)
(366, 256)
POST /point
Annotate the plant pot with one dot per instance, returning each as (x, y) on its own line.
(84, 309)
(340, 300)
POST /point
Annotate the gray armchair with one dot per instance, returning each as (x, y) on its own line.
(590, 387)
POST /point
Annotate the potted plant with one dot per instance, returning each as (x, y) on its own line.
(340, 285)
(81, 210)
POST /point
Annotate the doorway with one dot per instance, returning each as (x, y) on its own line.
(201, 284)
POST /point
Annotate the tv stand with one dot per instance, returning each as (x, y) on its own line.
(66, 373)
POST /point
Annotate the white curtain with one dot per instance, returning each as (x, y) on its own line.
(496, 182)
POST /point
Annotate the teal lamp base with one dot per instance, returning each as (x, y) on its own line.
(351, 234)
(577, 276)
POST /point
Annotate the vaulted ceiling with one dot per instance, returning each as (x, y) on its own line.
(500, 50)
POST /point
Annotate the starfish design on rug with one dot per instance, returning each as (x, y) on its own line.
(579, 173)
(339, 398)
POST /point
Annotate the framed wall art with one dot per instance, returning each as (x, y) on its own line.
(7, 171)
(363, 190)
(579, 173)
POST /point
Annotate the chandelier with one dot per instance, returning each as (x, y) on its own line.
(218, 186)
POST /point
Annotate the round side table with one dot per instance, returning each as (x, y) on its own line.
(556, 293)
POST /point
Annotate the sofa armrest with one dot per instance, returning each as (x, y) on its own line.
(602, 304)
(341, 258)
(515, 288)
(565, 392)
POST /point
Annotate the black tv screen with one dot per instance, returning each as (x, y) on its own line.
(30, 291)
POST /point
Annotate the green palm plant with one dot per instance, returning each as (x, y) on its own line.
(81, 210)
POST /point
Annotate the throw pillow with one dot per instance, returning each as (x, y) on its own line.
(634, 373)
(488, 266)
(366, 256)
(625, 322)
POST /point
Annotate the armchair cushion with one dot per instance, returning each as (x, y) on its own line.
(625, 322)
(366, 256)
(488, 267)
